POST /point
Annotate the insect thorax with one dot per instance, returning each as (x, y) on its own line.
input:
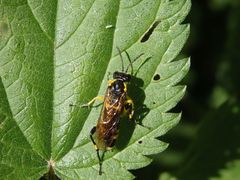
(122, 76)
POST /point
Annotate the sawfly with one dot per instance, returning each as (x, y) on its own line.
(116, 103)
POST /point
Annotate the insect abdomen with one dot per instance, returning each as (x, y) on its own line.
(107, 134)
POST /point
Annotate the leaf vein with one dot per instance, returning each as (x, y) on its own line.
(42, 29)
(73, 32)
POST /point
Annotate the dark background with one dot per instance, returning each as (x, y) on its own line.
(207, 140)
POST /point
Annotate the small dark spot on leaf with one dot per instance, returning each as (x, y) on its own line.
(156, 77)
(147, 35)
(140, 142)
(154, 102)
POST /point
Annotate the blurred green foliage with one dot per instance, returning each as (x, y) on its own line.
(205, 145)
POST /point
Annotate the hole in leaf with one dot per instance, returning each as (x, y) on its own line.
(147, 35)
(156, 77)
(140, 142)
(154, 102)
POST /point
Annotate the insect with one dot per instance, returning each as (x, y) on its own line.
(116, 102)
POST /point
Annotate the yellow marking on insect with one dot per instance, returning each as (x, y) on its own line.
(95, 147)
(111, 81)
(125, 87)
(108, 148)
(107, 106)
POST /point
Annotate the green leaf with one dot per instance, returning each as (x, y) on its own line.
(215, 151)
(57, 53)
(166, 176)
(231, 171)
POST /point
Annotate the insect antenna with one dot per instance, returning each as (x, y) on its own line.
(120, 54)
(146, 60)
(131, 62)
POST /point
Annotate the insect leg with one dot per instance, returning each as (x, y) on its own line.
(129, 107)
(93, 130)
(92, 101)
